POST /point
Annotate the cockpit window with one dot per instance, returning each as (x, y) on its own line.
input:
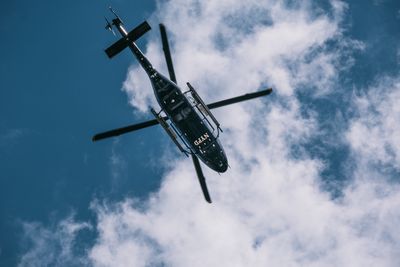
(178, 117)
(183, 113)
(186, 111)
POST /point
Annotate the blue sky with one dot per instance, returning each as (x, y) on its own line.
(321, 153)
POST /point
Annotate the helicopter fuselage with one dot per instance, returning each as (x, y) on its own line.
(186, 120)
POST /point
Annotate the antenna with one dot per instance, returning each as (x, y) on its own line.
(115, 14)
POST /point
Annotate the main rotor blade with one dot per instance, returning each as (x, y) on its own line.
(241, 98)
(167, 53)
(145, 124)
(168, 59)
(124, 130)
(201, 177)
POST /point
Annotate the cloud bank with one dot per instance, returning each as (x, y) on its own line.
(53, 246)
(269, 208)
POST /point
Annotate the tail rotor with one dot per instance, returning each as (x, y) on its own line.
(109, 26)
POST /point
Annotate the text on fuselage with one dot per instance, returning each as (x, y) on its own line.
(201, 139)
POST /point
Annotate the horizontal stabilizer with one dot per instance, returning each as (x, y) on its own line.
(122, 43)
(137, 32)
(116, 47)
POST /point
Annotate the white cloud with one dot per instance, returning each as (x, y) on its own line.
(374, 133)
(221, 47)
(268, 209)
(52, 246)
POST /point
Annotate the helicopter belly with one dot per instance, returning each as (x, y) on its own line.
(202, 141)
(189, 125)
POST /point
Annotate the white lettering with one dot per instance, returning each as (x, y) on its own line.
(201, 139)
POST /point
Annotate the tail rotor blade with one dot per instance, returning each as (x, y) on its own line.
(109, 26)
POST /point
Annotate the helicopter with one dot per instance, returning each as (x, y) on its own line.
(184, 116)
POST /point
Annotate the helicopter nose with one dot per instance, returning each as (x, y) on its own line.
(221, 166)
(218, 161)
(218, 165)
